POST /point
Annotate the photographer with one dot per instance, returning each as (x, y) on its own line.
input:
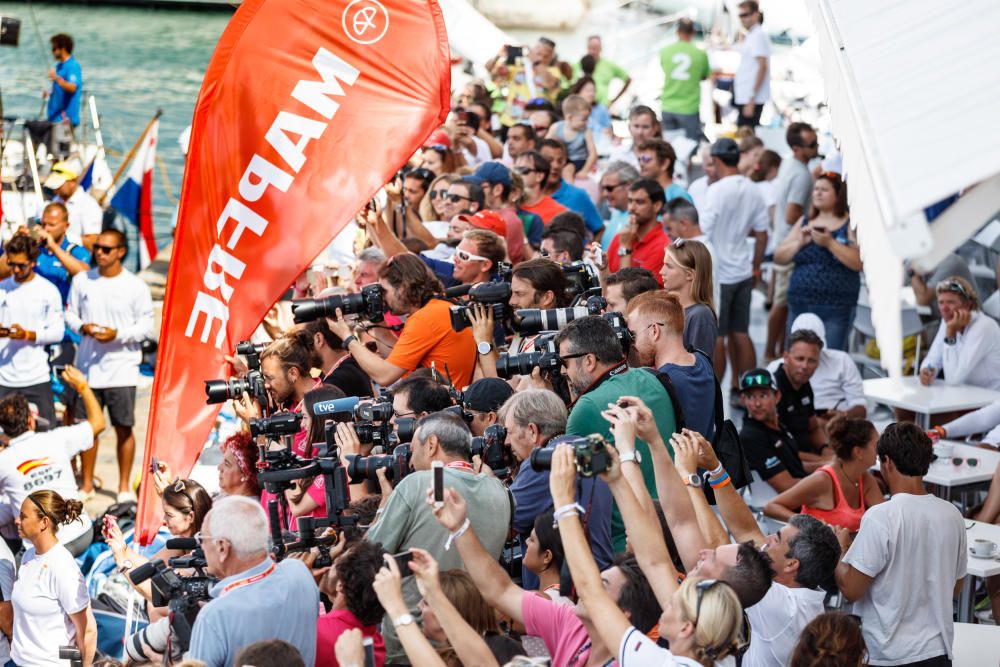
(355, 606)
(255, 598)
(336, 365)
(595, 369)
(409, 522)
(624, 284)
(535, 418)
(482, 400)
(33, 461)
(427, 337)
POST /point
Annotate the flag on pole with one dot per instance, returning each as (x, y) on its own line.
(134, 197)
(87, 177)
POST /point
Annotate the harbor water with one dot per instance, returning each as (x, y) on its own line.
(134, 62)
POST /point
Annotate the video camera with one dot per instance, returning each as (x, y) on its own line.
(181, 595)
(529, 321)
(496, 295)
(277, 425)
(491, 448)
(369, 303)
(220, 391)
(545, 357)
(589, 452)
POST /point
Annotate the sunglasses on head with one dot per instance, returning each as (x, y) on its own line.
(702, 587)
(954, 287)
(749, 381)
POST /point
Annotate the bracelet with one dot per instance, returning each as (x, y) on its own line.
(565, 511)
(457, 534)
(717, 471)
(722, 481)
(347, 341)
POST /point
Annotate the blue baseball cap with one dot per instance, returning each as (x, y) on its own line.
(490, 172)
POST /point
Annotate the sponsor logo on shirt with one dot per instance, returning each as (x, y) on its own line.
(772, 462)
(806, 400)
(39, 473)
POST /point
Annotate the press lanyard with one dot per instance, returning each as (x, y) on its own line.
(249, 580)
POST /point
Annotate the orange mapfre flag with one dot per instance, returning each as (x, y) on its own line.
(308, 107)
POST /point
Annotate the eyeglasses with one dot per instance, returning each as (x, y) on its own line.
(401, 415)
(652, 324)
(610, 188)
(105, 248)
(701, 587)
(645, 158)
(466, 256)
(563, 358)
(438, 193)
(524, 171)
(201, 538)
(454, 199)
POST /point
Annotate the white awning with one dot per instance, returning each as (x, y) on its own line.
(913, 87)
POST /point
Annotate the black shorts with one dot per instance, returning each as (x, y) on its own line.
(734, 307)
(752, 121)
(120, 402)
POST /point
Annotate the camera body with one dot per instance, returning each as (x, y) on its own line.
(589, 453)
(220, 391)
(277, 425)
(580, 277)
(376, 410)
(491, 448)
(496, 295)
(545, 357)
(369, 303)
(252, 352)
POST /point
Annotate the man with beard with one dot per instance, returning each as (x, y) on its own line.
(596, 372)
(642, 241)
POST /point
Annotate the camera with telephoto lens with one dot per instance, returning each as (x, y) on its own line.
(220, 391)
(545, 357)
(369, 303)
(624, 336)
(181, 595)
(590, 454)
(396, 465)
(491, 448)
(529, 321)
(580, 277)
(496, 295)
(277, 425)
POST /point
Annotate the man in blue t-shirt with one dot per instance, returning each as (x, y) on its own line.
(59, 260)
(574, 198)
(67, 82)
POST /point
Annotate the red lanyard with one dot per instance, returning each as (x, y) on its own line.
(249, 580)
(461, 465)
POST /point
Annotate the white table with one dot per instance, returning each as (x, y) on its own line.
(976, 645)
(977, 567)
(907, 393)
(945, 473)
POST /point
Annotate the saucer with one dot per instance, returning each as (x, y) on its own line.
(992, 554)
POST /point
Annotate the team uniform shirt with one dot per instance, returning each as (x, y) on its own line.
(61, 103)
(974, 357)
(43, 461)
(7, 576)
(795, 409)
(777, 621)
(36, 306)
(605, 72)
(770, 452)
(48, 589)
(756, 45)
(733, 208)
(86, 216)
(49, 267)
(685, 66)
(122, 303)
(906, 613)
(647, 252)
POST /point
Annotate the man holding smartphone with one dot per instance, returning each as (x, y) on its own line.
(111, 308)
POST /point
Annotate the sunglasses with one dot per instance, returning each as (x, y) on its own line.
(105, 248)
(749, 381)
(701, 587)
(20, 266)
(180, 487)
(435, 194)
(611, 188)
(576, 355)
(454, 199)
(469, 257)
(951, 286)
(958, 460)
(648, 326)
(645, 159)
(524, 171)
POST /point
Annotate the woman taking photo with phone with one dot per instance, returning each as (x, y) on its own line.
(827, 274)
(50, 600)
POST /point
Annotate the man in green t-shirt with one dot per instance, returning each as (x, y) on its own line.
(685, 66)
(597, 375)
(604, 73)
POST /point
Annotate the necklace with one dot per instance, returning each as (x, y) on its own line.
(846, 475)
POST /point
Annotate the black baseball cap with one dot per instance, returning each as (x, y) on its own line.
(757, 378)
(727, 150)
(487, 395)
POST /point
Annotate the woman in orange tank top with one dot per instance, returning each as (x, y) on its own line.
(837, 493)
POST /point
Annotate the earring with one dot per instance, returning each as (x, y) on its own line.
(243, 479)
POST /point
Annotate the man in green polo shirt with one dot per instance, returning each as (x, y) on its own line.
(605, 72)
(685, 66)
(597, 375)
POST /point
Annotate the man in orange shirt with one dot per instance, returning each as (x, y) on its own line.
(427, 338)
(534, 169)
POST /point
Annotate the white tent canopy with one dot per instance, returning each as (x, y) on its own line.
(913, 87)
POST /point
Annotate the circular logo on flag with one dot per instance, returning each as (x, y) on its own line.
(365, 21)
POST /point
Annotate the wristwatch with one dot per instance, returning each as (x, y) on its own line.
(624, 252)
(692, 480)
(484, 347)
(950, 340)
(400, 621)
(125, 566)
(633, 456)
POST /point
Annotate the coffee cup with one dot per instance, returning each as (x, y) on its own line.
(983, 547)
(943, 450)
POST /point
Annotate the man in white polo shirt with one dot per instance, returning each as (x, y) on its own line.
(111, 308)
(31, 317)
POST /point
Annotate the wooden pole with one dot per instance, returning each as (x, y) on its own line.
(129, 156)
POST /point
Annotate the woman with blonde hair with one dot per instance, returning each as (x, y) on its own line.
(687, 274)
(50, 601)
(432, 205)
